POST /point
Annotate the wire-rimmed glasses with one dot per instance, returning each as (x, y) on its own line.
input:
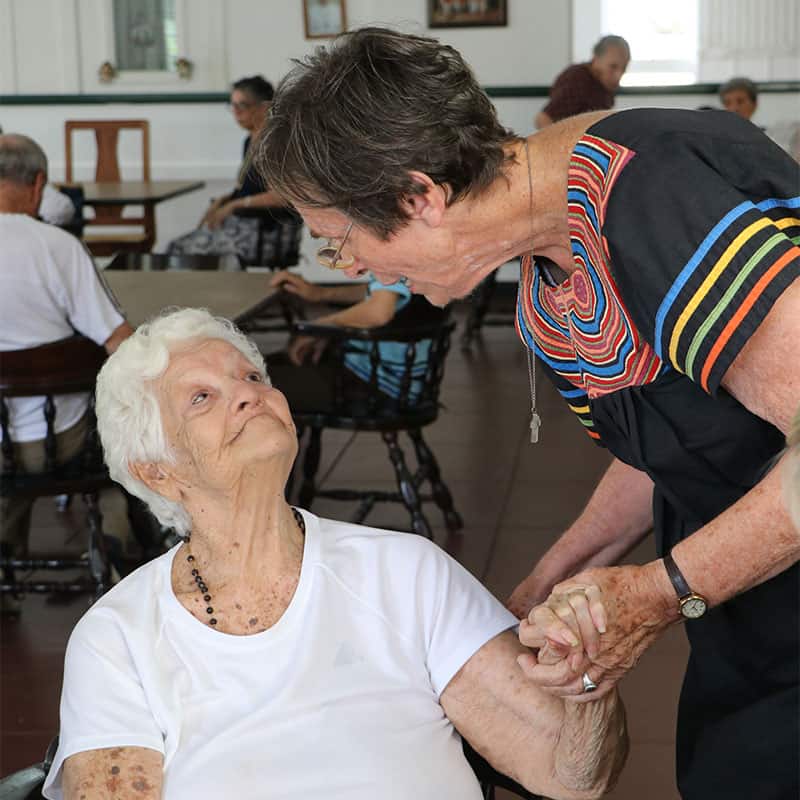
(330, 256)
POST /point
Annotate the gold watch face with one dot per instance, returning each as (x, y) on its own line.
(694, 607)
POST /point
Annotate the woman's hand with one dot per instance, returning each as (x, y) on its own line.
(213, 207)
(305, 350)
(294, 284)
(215, 217)
(601, 621)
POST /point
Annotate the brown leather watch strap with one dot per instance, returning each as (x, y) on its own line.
(676, 576)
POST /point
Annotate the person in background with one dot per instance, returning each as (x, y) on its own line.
(305, 373)
(55, 208)
(590, 86)
(740, 96)
(220, 231)
(49, 289)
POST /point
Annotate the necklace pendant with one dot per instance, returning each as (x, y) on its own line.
(536, 422)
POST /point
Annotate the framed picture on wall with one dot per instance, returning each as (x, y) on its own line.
(463, 13)
(324, 19)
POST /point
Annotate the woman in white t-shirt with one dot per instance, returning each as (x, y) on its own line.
(275, 654)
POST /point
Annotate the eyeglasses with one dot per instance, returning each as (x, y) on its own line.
(241, 105)
(330, 256)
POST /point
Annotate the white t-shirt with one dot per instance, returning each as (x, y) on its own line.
(338, 700)
(49, 289)
(56, 208)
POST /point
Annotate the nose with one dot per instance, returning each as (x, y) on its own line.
(246, 396)
(356, 271)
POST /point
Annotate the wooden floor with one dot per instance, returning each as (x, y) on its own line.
(515, 499)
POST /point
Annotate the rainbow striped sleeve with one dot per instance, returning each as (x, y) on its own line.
(727, 287)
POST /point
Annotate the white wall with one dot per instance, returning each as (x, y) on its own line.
(54, 46)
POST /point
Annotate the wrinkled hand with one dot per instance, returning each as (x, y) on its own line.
(294, 284)
(305, 350)
(529, 593)
(601, 621)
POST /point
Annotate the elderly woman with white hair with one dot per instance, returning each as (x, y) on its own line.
(275, 654)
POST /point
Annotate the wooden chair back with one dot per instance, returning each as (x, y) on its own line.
(106, 132)
(67, 366)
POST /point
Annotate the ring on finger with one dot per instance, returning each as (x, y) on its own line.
(588, 684)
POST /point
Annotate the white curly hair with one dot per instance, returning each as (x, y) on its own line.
(128, 414)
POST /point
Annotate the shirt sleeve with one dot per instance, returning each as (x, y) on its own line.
(55, 208)
(700, 257)
(399, 288)
(458, 614)
(88, 302)
(103, 703)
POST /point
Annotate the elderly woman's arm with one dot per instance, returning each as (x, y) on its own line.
(114, 773)
(556, 747)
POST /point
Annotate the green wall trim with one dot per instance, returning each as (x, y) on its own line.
(767, 87)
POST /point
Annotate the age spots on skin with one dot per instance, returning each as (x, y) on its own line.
(115, 770)
(140, 785)
(252, 622)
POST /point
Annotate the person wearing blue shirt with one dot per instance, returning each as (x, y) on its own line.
(304, 374)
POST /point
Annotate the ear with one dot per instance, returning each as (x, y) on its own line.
(38, 190)
(156, 478)
(427, 202)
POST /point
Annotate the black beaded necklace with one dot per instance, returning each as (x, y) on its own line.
(201, 584)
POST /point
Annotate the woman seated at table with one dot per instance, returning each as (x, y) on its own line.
(307, 370)
(221, 231)
(273, 653)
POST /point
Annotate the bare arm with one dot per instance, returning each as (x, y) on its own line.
(315, 293)
(552, 746)
(118, 335)
(114, 773)
(372, 312)
(765, 378)
(750, 542)
(617, 517)
(269, 199)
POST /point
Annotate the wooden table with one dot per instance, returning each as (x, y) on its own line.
(128, 193)
(238, 296)
(108, 199)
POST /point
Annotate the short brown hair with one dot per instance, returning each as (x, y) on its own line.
(350, 122)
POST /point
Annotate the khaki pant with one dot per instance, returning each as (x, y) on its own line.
(15, 512)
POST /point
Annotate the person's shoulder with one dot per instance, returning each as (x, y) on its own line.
(673, 129)
(130, 601)
(573, 71)
(354, 551)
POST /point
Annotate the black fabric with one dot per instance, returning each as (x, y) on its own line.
(739, 714)
(690, 173)
(250, 181)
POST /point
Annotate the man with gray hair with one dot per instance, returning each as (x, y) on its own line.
(49, 289)
(590, 86)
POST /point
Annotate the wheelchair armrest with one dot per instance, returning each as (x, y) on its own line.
(23, 785)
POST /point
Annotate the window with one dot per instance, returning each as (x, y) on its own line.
(663, 39)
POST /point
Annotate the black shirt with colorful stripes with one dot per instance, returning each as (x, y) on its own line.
(685, 229)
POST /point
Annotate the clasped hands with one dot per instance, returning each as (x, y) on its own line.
(597, 623)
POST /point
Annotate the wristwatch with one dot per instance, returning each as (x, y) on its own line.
(692, 605)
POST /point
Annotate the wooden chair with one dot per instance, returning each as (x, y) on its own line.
(488, 305)
(68, 366)
(106, 134)
(415, 407)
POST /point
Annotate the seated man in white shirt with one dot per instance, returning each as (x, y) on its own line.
(49, 289)
(274, 654)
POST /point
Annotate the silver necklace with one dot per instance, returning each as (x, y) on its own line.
(536, 420)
